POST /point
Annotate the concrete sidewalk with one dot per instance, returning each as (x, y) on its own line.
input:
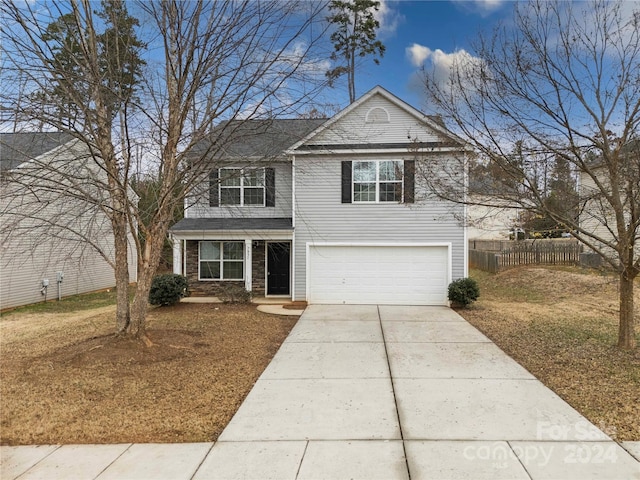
(371, 392)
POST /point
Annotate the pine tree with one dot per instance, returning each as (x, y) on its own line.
(355, 36)
(118, 50)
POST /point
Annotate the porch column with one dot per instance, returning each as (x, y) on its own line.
(248, 248)
(177, 255)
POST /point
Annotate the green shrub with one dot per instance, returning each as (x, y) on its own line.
(168, 289)
(463, 291)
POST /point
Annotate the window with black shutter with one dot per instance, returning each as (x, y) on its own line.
(346, 182)
(270, 186)
(214, 198)
(242, 187)
(409, 181)
(378, 181)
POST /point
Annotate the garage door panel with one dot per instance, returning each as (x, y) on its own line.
(411, 275)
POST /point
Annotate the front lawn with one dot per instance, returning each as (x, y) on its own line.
(67, 379)
(561, 325)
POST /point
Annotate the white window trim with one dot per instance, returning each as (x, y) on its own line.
(241, 173)
(377, 182)
(222, 261)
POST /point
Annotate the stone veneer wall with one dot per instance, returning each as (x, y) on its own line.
(258, 267)
(212, 288)
(208, 288)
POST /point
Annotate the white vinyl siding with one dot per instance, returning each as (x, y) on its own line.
(34, 251)
(353, 127)
(29, 260)
(597, 217)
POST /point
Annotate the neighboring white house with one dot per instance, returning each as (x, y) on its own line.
(597, 216)
(38, 259)
(327, 210)
(489, 218)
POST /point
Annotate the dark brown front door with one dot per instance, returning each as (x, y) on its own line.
(278, 268)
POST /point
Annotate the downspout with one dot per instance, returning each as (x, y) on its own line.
(465, 206)
(293, 225)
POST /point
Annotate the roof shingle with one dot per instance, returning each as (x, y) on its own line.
(256, 138)
(17, 148)
(226, 224)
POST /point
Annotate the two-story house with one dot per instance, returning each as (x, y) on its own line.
(329, 211)
(53, 241)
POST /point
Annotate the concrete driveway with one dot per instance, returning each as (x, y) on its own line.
(379, 392)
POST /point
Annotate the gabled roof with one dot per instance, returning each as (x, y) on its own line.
(17, 148)
(433, 122)
(256, 138)
(272, 138)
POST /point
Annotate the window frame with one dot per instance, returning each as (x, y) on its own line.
(242, 187)
(377, 181)
(221, 261)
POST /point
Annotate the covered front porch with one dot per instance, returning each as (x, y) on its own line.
(234, 257)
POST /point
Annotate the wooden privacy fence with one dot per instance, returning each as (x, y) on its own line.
(538, 253)
(501, 245)
(487, 261)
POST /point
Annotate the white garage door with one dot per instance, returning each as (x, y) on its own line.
(391, 275)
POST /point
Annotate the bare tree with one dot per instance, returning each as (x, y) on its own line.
(206, 63)
(562, 83)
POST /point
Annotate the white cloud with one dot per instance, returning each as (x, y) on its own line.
(483, 8)
(417, 54)
(388, 18)
(438, 64)
(298, 57)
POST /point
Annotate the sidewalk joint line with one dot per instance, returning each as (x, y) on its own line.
(393, 391)
(57, 447)
(519, 459)
(114, 460)
(306, 445)
(195, 472)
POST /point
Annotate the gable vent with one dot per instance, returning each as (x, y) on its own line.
(377, 115)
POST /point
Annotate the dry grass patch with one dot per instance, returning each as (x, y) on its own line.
(561, 324)
(67, 379)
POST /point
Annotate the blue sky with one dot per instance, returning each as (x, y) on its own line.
(414, 31)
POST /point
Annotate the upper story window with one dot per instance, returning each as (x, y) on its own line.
(377, 181)
(242, 187)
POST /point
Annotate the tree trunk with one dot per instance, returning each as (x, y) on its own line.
(138, 325)
(351, 77)
(121, 250)
(626, 333)
(148, 266)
